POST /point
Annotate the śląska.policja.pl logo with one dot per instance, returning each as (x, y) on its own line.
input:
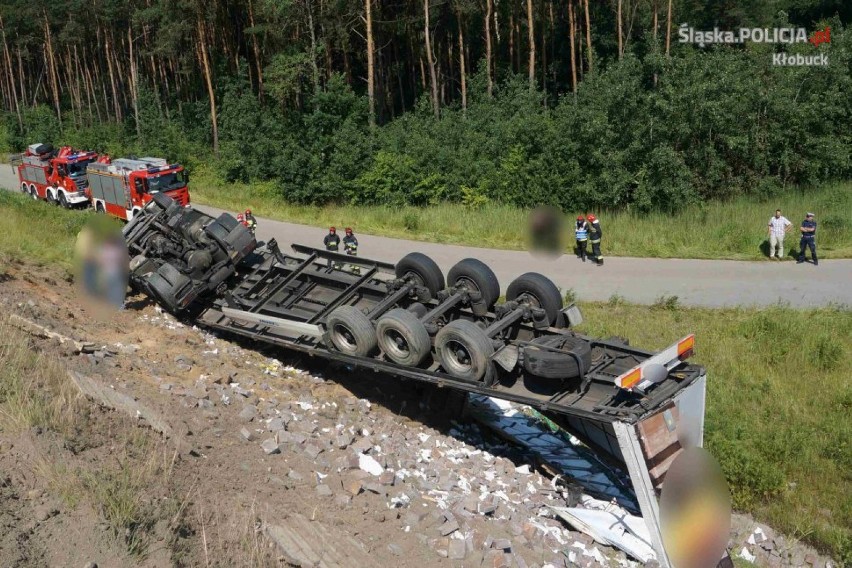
(703, 38)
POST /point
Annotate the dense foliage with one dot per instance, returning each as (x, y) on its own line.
(642, 128)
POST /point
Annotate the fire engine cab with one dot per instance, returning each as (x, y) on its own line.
(56, 176)
(123, 186)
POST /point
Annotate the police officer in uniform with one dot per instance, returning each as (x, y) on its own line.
(332, 244)
(350, 245)
(808, 229)
(595, 234)
(581, 233)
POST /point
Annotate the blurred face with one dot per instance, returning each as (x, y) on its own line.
(778, 214)
(809, 217)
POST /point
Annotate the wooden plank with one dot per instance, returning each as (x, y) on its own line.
(313, 544)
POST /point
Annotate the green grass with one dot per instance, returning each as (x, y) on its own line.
(38, 232)
(779, 401)
(733, 230)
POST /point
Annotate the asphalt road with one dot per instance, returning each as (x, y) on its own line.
(710, 283)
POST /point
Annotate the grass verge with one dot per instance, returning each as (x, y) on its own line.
(36, 393)
(779, 398)
(733, 230)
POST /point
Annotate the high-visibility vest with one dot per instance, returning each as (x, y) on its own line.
(581, 233)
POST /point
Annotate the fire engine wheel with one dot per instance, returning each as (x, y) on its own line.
(100, 208)
(463, 350)
(557, 365)
(49, 198)
(403, 337)
(538, 290)
(63, 201)
(423, 270)
(24, 188)
(33, 193)
(475, 275)
(351, 332)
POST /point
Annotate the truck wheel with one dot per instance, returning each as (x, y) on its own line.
(63, 201)
(423, 269)
(553, 365)
(475, 275)
(463, 350)
(33, 193)
(100, 208)
(351, 331)
(403, 337)
(537, 290)
(24, 188)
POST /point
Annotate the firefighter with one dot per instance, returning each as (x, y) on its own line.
(332, 244)
(350, 245)
(595, 234)
(581, 233)
(241, 220)
(251, 222)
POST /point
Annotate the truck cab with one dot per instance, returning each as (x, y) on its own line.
(68, 182)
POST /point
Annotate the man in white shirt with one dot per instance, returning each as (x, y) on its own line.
(778, 227)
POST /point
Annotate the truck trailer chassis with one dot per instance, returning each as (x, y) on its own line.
(636, 408)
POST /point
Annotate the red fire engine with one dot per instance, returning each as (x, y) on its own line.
(56, 176)
(122, 187)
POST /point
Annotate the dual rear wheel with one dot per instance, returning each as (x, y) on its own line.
(461, 346)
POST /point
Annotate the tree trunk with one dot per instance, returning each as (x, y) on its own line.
(134, 88)
(669, 28)
(588, 34)
(571, 38)
(115, 102)
(21, 77)
(431, 61)
(512, 40)
(205, 62)
(462, 71)
(12, 86)
(489, 6)
(620, 38)
(52, 64)
(256, 49)
(531, 36)
(371, 82)
(314, 68)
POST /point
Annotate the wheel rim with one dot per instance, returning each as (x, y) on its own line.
(458, 356)
(529, 299)
(344, 337)
(468, 283)
(396, 344)
(414, 276)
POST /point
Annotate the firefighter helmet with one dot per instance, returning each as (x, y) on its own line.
(579, 217)
(592, 218)
(332, 230)
(348, 230)
(248, 211)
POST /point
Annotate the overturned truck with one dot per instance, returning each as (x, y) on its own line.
(634, 407)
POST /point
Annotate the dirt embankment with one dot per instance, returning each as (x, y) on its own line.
(191, 450)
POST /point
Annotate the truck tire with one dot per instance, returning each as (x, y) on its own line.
(33, 192)
(403, 337)
(553, 365)
(63, 201)
(423, 269)
(100, 208)
(475, 275)
(351, 332)
(24, 188)
(464, 350)
(541, 292)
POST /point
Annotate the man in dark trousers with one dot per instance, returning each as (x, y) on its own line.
(332, 244)
(581, 234)
(595, 234)
(350, 245)
(808, 229)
